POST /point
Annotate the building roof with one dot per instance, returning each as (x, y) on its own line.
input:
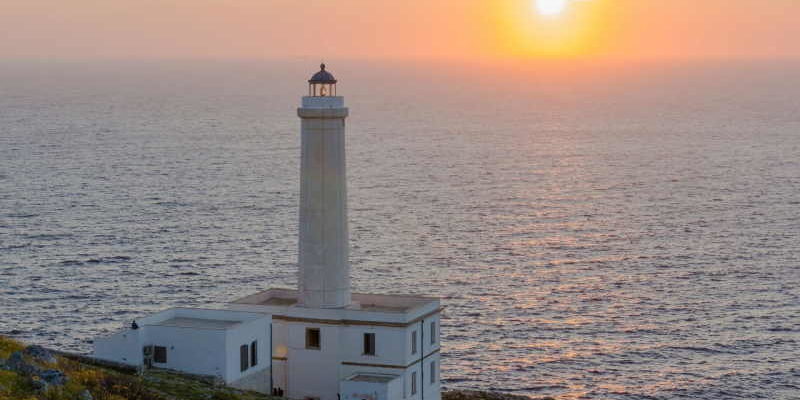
(361, 301)
(322, 76)
(197, 323)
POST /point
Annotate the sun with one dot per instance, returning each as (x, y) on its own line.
(551, 7)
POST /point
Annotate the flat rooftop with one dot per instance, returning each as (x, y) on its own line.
(197, 323)
(388, 303)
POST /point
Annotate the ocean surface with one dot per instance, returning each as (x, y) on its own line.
(595, 231)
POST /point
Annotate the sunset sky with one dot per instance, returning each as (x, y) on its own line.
(408, 29)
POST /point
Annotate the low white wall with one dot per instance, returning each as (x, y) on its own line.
(351, 390)
(123, 347)
(355, 390)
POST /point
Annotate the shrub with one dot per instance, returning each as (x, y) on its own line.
(14, 386)
(8, 346)
(224, 396)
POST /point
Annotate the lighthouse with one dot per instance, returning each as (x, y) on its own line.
(323, 254)
(317, 341)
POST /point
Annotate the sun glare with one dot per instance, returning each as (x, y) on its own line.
(554, 29)
(551, 7)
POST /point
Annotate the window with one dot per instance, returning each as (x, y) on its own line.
(433, 332)
(433, 371)
(160, 354)
(244, 355)
(414, 342)
(414, 383)
(369, 344)
(312, 338)
(254, 353)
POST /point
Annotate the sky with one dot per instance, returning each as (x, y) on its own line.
(482, 30)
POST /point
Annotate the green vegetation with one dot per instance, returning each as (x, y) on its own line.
(8, 346)
(87, 381)
(178, 386)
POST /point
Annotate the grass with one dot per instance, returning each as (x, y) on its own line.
(179, 386)
(8, 346)
(104, 383)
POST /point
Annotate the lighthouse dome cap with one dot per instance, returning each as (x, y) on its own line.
(322, 76)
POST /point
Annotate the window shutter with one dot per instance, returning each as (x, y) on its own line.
(243, 357)
(160, 354)
(313, 338)
(369, 344)
(254, 353)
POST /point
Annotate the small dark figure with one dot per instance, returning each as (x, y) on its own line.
(134, 325)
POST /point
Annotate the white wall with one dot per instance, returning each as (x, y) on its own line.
(313, 373)
(428, 350)
(195, 351)
(422, 330)
(357, 390)
(432, 390)
(257, 330)
(280, 377)
(317, 373)
(280, 350)
(123, 347)
(389, 345)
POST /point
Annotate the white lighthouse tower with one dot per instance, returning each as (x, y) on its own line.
(324, 266)
(318, 341)
(329, 343)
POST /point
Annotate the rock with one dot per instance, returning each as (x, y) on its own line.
(17, 363)
(85, 395)
(39, 353)
(38, 384)
(483, 395)
(53, 377)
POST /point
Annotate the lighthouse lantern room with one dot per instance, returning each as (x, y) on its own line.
(322, 84)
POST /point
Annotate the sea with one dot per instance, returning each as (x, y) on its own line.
(595, 230)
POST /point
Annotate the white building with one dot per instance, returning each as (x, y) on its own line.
(318, 351)
(326, 342)
(232, 346)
